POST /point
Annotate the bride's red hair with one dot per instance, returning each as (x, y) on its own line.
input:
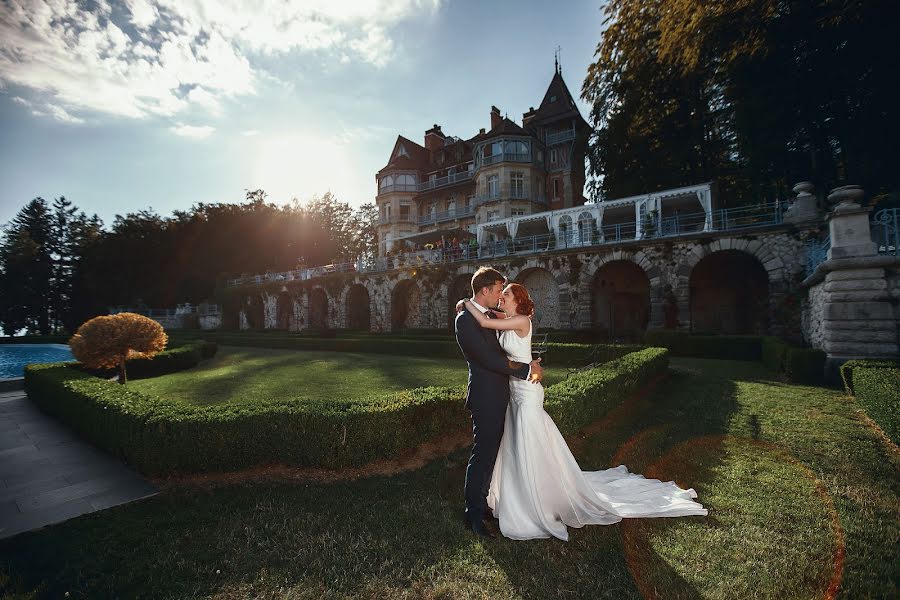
(524, 304)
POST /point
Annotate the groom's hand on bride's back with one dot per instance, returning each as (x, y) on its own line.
(537, 373)
(460, 306)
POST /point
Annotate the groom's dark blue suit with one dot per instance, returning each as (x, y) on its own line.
(487, 396)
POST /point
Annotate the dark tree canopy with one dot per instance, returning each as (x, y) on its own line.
(756, 94)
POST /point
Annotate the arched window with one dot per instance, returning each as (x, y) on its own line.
(565, 223)
(386, 181)
(407, 181)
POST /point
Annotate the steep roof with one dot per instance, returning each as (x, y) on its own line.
(504, 127)
(558, 103)
(414, 159)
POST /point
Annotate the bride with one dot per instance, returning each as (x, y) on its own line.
(537, 488)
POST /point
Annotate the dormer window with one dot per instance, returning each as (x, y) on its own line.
(401, 151)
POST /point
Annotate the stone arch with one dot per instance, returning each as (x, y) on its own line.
(544, 289)
(620, 300)
(358, 305)
(284, 311)
(460, 287)
(729, 293)
(405, 305)
(255, 312)
(318, 308)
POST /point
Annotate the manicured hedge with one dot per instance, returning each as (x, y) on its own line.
(161, 436)
(588, 395)
(878, 390)
(172, 360)
(799, 365)
(733, 347)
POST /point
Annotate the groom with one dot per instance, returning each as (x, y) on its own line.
(487, 393)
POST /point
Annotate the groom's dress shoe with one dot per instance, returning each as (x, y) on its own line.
(477, 526)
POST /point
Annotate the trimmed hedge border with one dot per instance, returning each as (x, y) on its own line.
(876, 385)
(799, 365)
(160, 436)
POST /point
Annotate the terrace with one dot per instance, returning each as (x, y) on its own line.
(666, 214)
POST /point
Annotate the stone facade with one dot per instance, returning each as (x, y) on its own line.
(569, 287)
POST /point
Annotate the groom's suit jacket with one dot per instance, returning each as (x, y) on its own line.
(489, 369)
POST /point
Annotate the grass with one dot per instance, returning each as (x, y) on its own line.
(803, 501)
(240, 372)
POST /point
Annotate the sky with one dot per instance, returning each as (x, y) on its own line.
(162, 104)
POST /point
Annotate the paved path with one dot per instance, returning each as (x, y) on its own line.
(49, 475)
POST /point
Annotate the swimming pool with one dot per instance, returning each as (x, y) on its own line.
(14, 357)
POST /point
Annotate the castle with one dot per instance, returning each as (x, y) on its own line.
(448, 188)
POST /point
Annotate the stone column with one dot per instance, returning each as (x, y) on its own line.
(857, 319)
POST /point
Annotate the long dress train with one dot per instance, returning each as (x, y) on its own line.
(538, 489)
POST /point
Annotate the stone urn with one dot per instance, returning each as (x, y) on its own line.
(846, 197)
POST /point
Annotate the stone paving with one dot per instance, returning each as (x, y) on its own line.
(49, 475)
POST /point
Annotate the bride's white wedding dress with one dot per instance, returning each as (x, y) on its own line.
(537, 488)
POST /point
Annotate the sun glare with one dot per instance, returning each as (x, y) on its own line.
(300, 166)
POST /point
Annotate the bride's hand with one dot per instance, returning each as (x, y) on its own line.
(460, 306)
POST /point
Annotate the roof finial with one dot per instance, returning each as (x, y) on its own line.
(556, 55)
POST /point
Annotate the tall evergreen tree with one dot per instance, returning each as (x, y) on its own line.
(27, 270)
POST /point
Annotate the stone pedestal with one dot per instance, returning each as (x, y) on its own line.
(850, 303)
(804, 209)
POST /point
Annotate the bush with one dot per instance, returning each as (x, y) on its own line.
(731, 347)
(774, 353)
(878, 390)
(805, 365)
(586, 396)
(848, 367)
(110, 341)
(163, 436)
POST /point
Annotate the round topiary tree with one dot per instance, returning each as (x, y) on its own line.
(107, 342)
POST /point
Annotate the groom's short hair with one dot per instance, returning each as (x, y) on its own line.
(486, 277)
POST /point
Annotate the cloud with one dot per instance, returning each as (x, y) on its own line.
(197, 132)
(145, 58)
(250, 132)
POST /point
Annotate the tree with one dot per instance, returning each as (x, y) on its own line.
(758, 94)
(27, 270)
(106, 342)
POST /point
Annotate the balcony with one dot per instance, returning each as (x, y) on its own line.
(398, 187)
(560, 136)
(439, 182)
(510, 195)
(504, 157)
(396, 219)
(447, 215)
(425, 186)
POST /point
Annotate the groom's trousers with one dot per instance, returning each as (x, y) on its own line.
(488, 419)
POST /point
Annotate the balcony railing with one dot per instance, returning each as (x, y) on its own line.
(444, 181)
(398, 187)
(579, 236)
(447, 215)
(886, 231)
(505, 157)
(396, 219)
(510, 194)
(425, 186)
(560, 136)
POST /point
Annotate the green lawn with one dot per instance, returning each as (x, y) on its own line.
(241, 372)
(803, 501)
